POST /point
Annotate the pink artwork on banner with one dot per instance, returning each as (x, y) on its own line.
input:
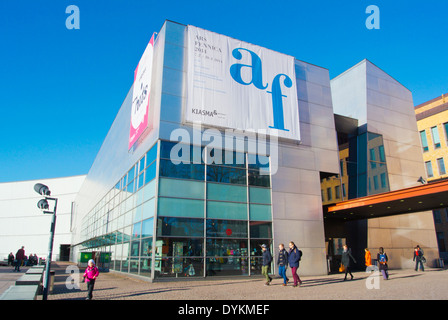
(141, 94)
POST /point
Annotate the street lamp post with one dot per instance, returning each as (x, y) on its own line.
(43, 205)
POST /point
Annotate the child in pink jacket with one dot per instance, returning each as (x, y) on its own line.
(89, 277)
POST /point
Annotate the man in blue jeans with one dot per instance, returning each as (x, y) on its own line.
(282, 262)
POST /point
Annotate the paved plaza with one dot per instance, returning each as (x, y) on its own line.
(402, 285)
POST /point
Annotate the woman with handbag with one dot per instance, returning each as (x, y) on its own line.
(346, 256)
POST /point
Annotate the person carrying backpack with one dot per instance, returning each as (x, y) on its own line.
(382, 263)
(293, 260)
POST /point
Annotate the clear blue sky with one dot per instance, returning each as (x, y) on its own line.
(60, 89)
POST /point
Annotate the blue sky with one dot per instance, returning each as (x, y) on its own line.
(60, 89)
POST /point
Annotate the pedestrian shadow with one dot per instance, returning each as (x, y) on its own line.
(323, 282)
(125, 294)
(392, 276)
(63, 289)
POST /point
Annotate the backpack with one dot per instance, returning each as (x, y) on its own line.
(301, 254)
(383, 259)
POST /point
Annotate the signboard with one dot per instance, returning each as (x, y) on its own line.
(234, 84)
(140, 95)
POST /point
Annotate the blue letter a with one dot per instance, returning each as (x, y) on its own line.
(257, 75)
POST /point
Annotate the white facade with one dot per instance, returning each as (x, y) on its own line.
(22, 223)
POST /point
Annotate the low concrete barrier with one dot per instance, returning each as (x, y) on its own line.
(35, 271)
(29, 280)
(28, 292)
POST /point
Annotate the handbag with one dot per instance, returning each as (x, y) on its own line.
(342, 268)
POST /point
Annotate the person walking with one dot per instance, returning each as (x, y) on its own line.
(266, 263)
(90, 276)
(382, 259)
(20, 255)
(345, 260)
(418, 258)
(368, 257)
(294, 257)
(282, 262)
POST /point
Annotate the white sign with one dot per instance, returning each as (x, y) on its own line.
(234, 84)
(140, 95)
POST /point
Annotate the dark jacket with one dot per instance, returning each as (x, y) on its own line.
(267, 258)
(418, 254)
(282, 259)
(294, 257)
(20, 255)
(346, 255)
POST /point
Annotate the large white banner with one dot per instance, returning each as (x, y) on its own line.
(234, 84)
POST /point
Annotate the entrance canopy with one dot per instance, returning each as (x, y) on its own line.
(415, 199)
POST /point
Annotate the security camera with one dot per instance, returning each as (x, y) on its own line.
(42, 189)
(43, 204)
(421, 180)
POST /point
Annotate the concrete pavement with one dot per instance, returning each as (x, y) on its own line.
(402, 285)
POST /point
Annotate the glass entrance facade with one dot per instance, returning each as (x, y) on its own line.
(205, 216)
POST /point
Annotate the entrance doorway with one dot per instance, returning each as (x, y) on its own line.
(64, 252)
(342, 232)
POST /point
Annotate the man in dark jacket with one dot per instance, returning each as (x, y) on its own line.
(267, 259)
(293, 260)
(418, 258)
(20, 255)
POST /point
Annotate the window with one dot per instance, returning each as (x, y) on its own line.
(226, 210)
(375, 182)
(341, 167)
(180, 227)
(437, 216)
(181, 207)
(441, 166)
(181, 171)
(383, 180)
(260, 229)
(260, 212)
(259, 195)
(441, 241)
(226, 228)
(337, 191)
(181, 188)
(226, 192)
(259, 178)
(329, 196)
(372, 158)
(429, 169)
(424, 141)
(226, 174)
(435, 137)
(445, 126)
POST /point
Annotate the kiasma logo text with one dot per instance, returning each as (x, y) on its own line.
(257, 81)
(204, 112)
